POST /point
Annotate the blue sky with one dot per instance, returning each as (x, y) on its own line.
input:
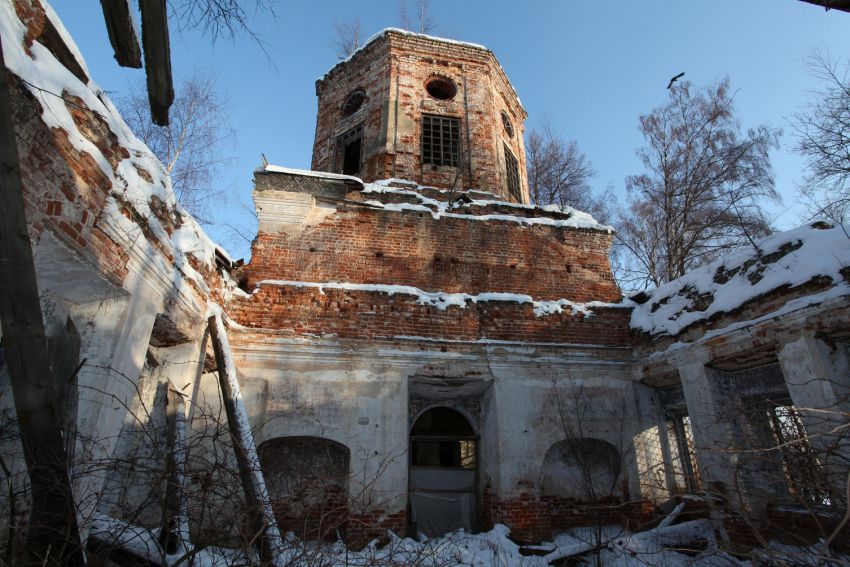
(591, 67)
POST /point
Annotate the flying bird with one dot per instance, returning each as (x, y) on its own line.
(674, 79)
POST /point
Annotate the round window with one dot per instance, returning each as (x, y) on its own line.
(506, 122)
(441, 88)
(353, 103)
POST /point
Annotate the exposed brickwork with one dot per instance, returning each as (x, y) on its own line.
(452, 255)
(393, 71)
(533, 519)
(333, 518)
(367, 314)
(65, 190)
(361, 528)
(308, 518)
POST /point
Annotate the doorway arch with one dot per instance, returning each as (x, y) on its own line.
(443, 472)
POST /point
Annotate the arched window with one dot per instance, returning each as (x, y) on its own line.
(506, 123)
(442, 437)
(307, 479)
(581, 469)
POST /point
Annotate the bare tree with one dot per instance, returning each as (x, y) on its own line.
(559, 174)
(347, 38)
(703, 186)
(192, 146)
(421, 21)
(823, 139)
(219, 18)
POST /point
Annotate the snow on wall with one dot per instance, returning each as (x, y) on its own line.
(443, 209)
(53, 85)
(442, 300)
(784, 260)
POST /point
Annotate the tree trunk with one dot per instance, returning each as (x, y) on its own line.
(53, 536)
(253, 484)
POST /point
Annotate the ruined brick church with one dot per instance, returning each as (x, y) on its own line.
(414, 345)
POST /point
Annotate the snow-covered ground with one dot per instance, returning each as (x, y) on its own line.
(690, 543)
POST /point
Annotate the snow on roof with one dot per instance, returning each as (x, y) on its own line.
(385, 31)
(43, 74)
(443, 209)
(786, 259)
(310, 173)
(392, 181)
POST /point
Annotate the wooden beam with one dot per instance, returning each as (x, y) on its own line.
(174, 536)
(843, 5)
(157, 58)
(122, 33)
(53, 536)
(52, 40)
(264, 525)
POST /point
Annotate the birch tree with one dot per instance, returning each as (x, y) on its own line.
(192, 148)
(823, 139)
(559, 173)
(703, 187)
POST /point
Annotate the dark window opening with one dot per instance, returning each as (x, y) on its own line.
(440, 140)
(509, 127)
(512, 167)
(442, 437)
(441, 88)
(353, 103)
(350, 148)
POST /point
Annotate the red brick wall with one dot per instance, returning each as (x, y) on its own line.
(532, 519)
(64, 189)
(360, 529)
(396, 67)
(366, 314)
(451, 255)
(371, 74)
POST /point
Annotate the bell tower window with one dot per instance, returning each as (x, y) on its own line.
(512, 168)
(440, 140)
(349, 149)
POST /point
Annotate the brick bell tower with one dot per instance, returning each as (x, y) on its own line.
(435, 111)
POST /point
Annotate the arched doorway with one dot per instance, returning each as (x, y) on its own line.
(443, 473)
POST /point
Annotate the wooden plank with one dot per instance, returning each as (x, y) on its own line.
(843, 5)
(264, 525)
(53, 536)
(122, 33)
(52, 40)
(157, 58)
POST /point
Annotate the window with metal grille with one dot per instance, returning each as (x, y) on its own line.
(683, 453)
(803, 471)
(440, 140)
(512, 167)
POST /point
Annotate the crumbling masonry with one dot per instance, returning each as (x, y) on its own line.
(411, 353)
